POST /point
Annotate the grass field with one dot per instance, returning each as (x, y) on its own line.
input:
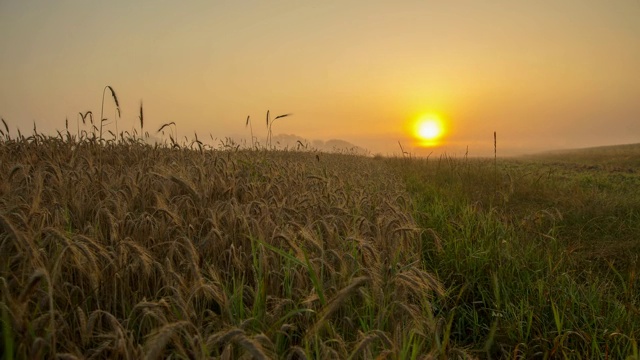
(135, 251)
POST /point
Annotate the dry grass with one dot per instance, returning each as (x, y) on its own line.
(132, 251)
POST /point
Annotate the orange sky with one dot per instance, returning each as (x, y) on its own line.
(544, 74)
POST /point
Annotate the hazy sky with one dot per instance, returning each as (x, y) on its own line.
(544, 74)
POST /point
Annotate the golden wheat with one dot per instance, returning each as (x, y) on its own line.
(149, 250)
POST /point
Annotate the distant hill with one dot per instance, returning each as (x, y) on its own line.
(281, 141)
(621, 157)
(291, 141)
(623, 149)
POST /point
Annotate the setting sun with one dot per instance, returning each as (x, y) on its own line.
(429, 129)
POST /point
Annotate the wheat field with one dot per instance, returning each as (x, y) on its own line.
(134, 251)
(121, 249)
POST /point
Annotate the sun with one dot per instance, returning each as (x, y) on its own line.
(429, 129)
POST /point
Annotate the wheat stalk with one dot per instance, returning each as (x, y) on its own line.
(115, 100)
(6, 127)
(157, 342)
(270, 124)
(141, 117)
(335, 303)
(248, 123)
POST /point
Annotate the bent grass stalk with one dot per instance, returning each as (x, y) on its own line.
(269, 141)
(115, 100)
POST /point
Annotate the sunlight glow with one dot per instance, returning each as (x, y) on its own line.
(429, 129)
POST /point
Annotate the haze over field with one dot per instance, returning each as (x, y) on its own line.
(544, 75)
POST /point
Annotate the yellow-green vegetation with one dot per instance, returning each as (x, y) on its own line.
(127, 250)
(538, 255)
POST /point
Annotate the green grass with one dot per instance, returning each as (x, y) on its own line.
(540, 260)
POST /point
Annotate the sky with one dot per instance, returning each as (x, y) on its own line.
(544, 74)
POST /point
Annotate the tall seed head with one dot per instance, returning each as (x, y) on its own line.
(141, 117)
(115, 99)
